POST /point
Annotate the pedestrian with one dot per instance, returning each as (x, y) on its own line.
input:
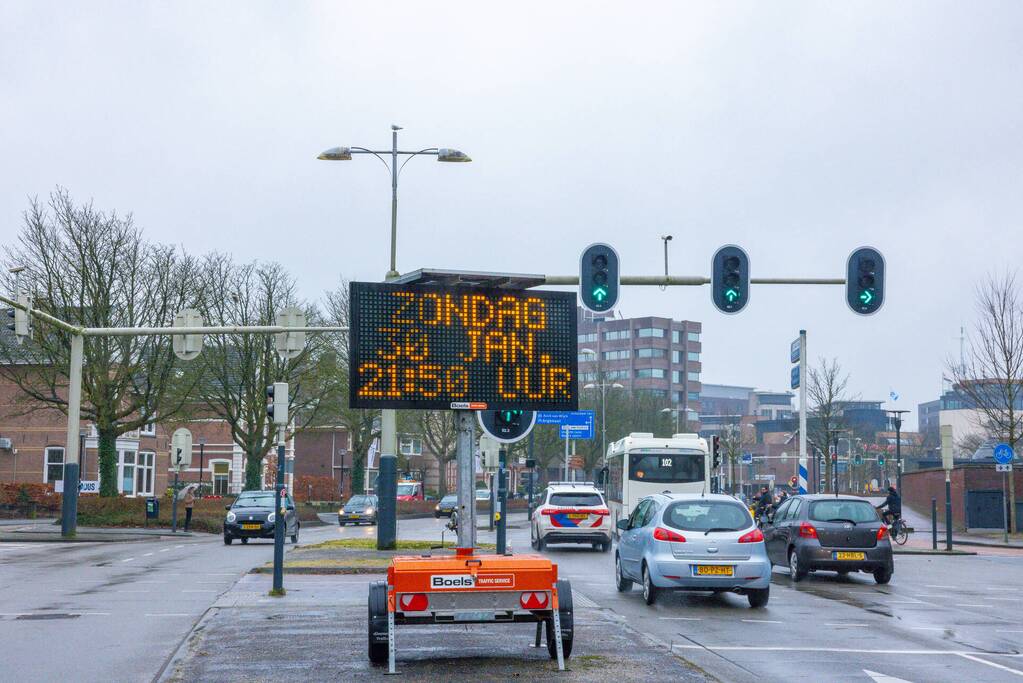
(189, 501)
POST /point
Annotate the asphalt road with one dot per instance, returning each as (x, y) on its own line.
(114, 611)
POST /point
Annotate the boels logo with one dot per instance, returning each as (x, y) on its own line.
(443, 582)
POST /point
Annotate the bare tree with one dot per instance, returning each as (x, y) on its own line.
(437, 428)
(94, 269)
(826, 392)
(990, 376)
(233, 371)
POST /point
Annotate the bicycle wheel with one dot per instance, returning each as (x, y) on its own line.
(901, 535)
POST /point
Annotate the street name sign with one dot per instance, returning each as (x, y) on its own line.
(427, 347)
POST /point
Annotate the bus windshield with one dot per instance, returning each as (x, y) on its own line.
(675, 466)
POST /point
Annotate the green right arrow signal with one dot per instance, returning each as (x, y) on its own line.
(866, 296)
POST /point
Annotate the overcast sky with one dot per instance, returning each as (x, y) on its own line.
(797, 130)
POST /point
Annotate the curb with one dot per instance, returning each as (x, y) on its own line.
(322, 570)
(933, 552)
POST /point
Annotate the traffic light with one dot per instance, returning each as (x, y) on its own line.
(715, 453)
(508, 419)
(730, 279)
(20, 321)
(599, 278)
(506, 426)
(864, 281)
(880, 460)
(277, 403)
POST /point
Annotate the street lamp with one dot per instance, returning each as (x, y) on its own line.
(603, 386)
(678, 409)
(446, 154)
(896, 417)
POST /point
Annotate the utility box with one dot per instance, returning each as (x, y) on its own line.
(152, 508)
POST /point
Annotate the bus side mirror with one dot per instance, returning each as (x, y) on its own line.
(622, 524)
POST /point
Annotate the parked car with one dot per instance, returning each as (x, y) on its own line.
(483, 495)
(446, 506)
(836, 533)
(692, 542)
(252, 515)
(571, 513)
(358, 510)
(410, 490)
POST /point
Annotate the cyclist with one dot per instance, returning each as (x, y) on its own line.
(892, 507)
(764, 503)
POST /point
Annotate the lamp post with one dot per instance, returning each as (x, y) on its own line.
(386, 521)
(678, 409)
(896, 417)
(202, 461)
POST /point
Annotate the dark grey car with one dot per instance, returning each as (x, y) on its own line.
(252, 515)
(360, 509)
(836, 533)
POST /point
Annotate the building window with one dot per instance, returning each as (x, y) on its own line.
(617, 374)
(676, 376)
(693, 355)
(650, 373)
(676, 356)
(694, 395)
(221, 475)
(675, 336)
(585, 357)
(144, 473)
(653, 393)
(410, 446)
(693, 376)
(620, 354)
(54, 469)
(126, 472)
(614, 335)
(587, 376)
(591, 337)
(693, 336)
(650, 353)
(148, 429)
(643, 332)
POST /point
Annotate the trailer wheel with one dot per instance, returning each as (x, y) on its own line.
(567, 626)
(377, 622)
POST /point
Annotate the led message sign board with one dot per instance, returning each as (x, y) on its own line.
(421, 346)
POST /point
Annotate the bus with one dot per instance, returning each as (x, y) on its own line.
(640, 465)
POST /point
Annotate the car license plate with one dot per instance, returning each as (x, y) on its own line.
(251, 526)
(475, 616)
(714, 570)
(353, 515)
(576, 515)
(850, 556)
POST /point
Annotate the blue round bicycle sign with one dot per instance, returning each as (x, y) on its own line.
(1004, 454)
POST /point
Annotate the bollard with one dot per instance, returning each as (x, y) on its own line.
(387, 503)
(934, 523)
(493, 500)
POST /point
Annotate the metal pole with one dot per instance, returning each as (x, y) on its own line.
(948, 511)
(174, 502)
(1005, 508)
(532, 474)
(493, 501)
(387, 510)
(202, 462)
(934, 523)
(603, 421)
(69, 499)
(802, 412)
(502, 497)
(387, 533)
(393, 272)
(898, 453)
(280, 500)
(466, 479)
(566, 457)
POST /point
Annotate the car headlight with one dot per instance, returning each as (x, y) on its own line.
(437, 507)
(369, 511)
(271, 517)
(231, 517)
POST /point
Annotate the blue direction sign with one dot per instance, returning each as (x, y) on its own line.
(794, 351)
(795, 377)
(747, 458)
(1004, 454)
(574, 424)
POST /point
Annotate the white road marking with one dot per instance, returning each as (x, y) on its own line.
(883, 678)
(1010, 631)
(905, 602)
(969, 604)
(928, 628)
(169, 614)
(128, 559)
(848, 650)
(179, 546)
(761, 621)
(858, 625)
(163, 550)
(146, 554)
(984, 661)
(681, 618)
(95, 614)
(1005, 599)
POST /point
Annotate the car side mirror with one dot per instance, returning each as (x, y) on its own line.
(622, 524)
(227, 507)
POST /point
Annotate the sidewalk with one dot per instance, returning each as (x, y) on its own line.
(48, 531)
(318, 632)
(921, 526)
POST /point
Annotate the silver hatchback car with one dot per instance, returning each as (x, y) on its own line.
(692, 542)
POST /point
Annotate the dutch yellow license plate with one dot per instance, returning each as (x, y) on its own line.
(714, 570)
(251, 526)
(850, 556)
(576, 515)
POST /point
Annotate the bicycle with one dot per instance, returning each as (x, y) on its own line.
(897, 528)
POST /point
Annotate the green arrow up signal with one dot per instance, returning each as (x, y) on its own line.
(866, 296)
(731, 294)
(599, 293)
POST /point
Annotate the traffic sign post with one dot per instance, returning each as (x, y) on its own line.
(1004, 455)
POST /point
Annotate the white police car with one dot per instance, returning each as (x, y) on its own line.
(571, 512)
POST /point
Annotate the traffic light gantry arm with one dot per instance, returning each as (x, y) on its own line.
(696, 280)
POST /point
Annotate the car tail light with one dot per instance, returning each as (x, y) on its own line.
(414, 602)
(882, 532)
(600, 511)
(807, 530)
(755, 536)
(533, 600)
(662, 534)
(547, 511)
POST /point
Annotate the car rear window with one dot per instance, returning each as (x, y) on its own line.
(700, 515)
(842, 510)
(576, 499)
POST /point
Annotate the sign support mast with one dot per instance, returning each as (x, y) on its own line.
(466, 429)
(802, 412)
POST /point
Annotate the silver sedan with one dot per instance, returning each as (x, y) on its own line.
(692, 542)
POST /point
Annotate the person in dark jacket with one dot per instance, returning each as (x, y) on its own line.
(764, 502)
(892, 504)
